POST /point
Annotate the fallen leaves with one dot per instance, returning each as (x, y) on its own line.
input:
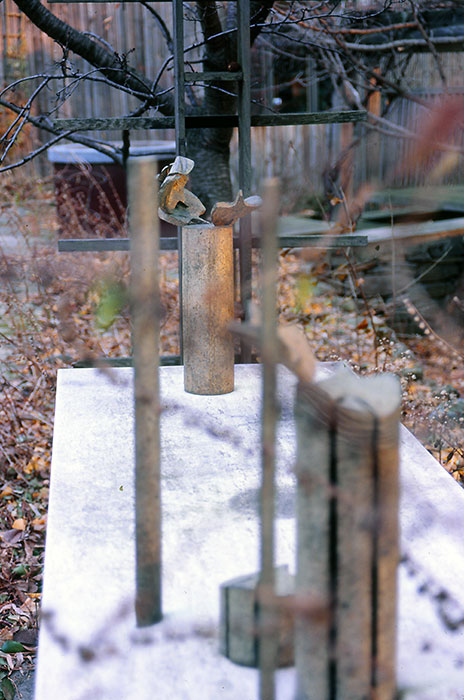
(54, 307)
(19, 524)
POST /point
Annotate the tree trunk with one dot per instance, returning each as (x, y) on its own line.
(209, 148)
(210, 180)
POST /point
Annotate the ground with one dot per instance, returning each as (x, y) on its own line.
(58, 309)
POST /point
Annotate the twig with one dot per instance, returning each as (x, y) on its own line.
(38, 151)
(33, 392)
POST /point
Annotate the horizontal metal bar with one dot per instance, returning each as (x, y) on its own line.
(213, 75)
(292, 119)
(102, 245)
(74, 2)
(83, 245)
(165, 360)
(319, 241)
(208, 121)
(293, 240)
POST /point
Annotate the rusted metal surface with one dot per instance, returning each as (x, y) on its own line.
(227, 213)
(208, 308)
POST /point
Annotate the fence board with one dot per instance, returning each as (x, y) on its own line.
(300, 154)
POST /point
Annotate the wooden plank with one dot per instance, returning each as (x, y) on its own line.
(212, 120)
(416, 233)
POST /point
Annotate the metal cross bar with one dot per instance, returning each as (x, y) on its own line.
(213, 75)
(303, 240)
(211, 120)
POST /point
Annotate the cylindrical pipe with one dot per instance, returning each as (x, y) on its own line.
(143, 220)
(208, 308)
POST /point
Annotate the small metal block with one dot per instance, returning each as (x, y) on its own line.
(239, 612)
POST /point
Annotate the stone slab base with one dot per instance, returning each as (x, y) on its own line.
(89, 646)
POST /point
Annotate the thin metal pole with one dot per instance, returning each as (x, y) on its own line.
(244, 157)
(244, 96)
(267, 618)
(179, 76)
(144, 245)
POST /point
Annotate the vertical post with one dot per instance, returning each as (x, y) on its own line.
(143, 221)
(179, 111)
(347, 537)
(244, 156)
(266, 590)
(208, 308)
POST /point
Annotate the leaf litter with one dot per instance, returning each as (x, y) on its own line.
(59, 309)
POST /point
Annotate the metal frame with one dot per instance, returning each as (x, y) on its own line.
(243, 120)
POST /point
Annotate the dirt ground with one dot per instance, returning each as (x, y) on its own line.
(57, 309)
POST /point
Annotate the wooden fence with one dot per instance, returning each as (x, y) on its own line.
(300, 155)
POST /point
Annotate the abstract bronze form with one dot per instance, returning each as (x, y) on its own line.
(227, 213)
(181, 207)
(207, 278)
(177, 205)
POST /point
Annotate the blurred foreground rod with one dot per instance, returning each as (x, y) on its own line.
(269, 357)
(144, 246)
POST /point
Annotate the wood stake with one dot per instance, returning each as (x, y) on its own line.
(269, 358)
(143, 220)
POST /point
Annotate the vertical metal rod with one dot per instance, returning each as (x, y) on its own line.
(179, 94)
(267, 618)
(179, 110)
(244, 156)
(244, 96)
(244, 256)
(144, 244)
(125, 146)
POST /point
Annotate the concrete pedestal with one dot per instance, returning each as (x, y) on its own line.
(89, 646)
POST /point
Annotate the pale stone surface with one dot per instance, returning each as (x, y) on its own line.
(210, 476)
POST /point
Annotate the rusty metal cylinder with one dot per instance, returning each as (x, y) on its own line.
(208, 308)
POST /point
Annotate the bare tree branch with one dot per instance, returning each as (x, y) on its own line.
(43, 123)
(91, 51)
